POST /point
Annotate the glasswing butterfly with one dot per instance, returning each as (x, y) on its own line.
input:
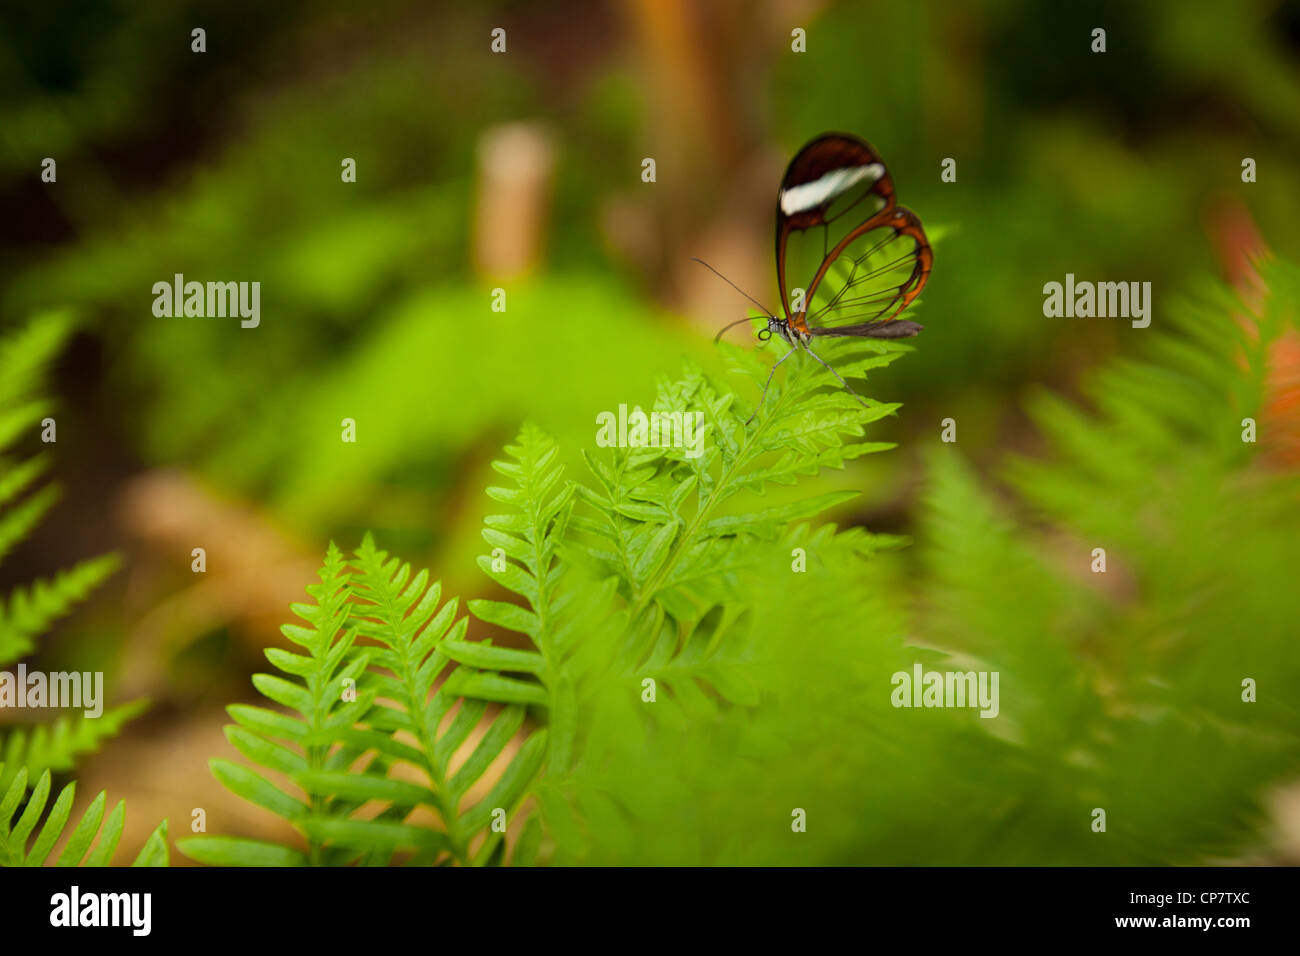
(864, 257)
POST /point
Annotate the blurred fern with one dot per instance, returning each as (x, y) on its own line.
(59, 745)
(1125, 689)
(29, 612)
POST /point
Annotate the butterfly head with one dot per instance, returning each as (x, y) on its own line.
(781, 327)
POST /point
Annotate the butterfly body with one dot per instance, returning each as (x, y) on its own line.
(786, 329)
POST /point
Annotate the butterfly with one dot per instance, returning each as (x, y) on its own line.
(864, 257)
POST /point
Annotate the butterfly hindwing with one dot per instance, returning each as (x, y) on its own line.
(876, 276)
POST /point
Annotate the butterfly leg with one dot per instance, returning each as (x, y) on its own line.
(837, 375)
(769, 382)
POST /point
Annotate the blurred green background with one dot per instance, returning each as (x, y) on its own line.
(522, 171)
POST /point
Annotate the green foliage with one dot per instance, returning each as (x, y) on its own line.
(635, 578)
(24, 356)
(661, 524)
(666, 686)
(1124, 690)
(29, 612)
(419, 641)
(372, 280)
(771, 684)
(81, 848)
(262, 734)
(59, 745)
(338, 750)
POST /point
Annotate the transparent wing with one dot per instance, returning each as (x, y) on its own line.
(876, 274)
(833, 185)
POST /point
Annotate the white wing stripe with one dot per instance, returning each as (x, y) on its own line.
(812, 194)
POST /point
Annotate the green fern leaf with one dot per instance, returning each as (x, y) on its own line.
(58, 746)
(302, 743)
(14, 834)
(421, 640)
(29, 612)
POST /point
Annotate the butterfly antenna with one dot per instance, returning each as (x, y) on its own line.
(766, 310)
(768, 383)
(837, 375)
(731, 325)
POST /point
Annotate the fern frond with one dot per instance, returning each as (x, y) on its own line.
(17, 420)
(529, 536)
(669, 530)
(699, 665)
(17, 522)
(82, 848)
(60, 745)
(1126, 634)
(25, 355)
(994, 597)
(420, 639)
(341, 755)
(659, 522)
(526, 560)
(1171, 419)
(17, 476)
(31, 610)
(303, 742)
